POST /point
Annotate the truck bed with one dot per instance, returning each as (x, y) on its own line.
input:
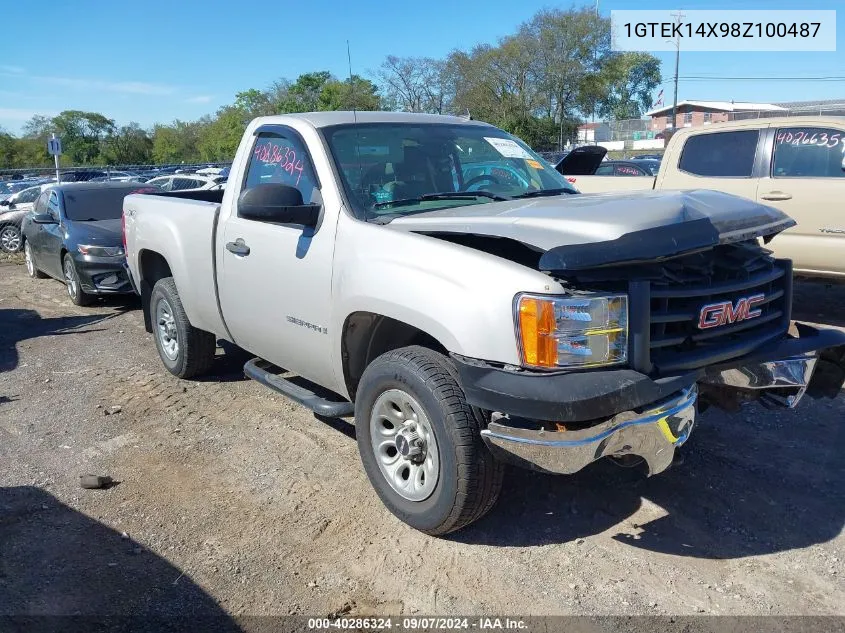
(181, 227)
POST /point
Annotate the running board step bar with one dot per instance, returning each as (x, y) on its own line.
(257, 369)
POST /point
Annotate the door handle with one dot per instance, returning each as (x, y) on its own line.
(238, 247)
(776, 195)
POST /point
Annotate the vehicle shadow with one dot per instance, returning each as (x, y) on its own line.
(228, 365)
(755, 483)
(18, 325)
(55, 561)
(819, 302)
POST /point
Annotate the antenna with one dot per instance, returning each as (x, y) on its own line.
(351, 82)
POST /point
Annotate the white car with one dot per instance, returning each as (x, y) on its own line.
(192, 182)
(209, 171)
(24, 199)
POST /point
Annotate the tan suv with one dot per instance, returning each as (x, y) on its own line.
(795, 164)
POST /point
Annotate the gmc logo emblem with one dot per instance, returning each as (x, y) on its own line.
(717, 314)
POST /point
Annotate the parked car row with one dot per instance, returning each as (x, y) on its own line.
(15, 206)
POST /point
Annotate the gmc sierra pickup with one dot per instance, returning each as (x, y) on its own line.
(441, 282)
(796, 165)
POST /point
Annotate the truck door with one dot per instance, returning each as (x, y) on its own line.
(275, 279)
(723, 161)
(807, 182)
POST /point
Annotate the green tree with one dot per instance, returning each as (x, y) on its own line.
(355, 93)
(177, 142)
(130, 145)
(83, 134)
(629, 80)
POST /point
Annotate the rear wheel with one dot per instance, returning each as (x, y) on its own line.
(420, 442)
(186, 351)
(11, 239)
(74, 287)
(31, 269)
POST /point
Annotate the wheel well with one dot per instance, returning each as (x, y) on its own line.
(367, 335)
(152, 266)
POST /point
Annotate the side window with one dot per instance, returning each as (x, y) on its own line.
(604, 170)
(278, 158)
(720, 154)
(53, 204)
(41, 204)
(29, 196)
(808, 152)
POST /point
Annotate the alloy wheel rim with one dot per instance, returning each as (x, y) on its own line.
(404, 445)
(168, 336)
(27, 255)
(70, 279)
(10, 238)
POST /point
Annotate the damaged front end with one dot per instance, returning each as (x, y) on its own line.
(652, 434)
(816, 368)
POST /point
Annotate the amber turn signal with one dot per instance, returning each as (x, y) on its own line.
(537, 328)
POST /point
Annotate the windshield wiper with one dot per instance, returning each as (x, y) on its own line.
(448, 195)
(542, 193)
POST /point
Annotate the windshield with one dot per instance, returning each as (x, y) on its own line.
(104, 203)
(391, 169)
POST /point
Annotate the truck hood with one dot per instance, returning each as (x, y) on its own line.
(578, 231)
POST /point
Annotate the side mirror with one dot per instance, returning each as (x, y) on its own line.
(5, 203)
(44, 218)
(277, 203)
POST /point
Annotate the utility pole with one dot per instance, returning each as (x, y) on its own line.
(678, 15)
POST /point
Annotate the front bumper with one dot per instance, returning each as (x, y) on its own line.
(813, 363)
(102, 275)
(652, 435)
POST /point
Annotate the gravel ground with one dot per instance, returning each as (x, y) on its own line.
(231, 499)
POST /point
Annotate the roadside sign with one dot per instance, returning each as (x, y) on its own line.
(54, 146)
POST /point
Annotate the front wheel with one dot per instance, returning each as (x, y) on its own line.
(186, 351)
(420, 442)
(31, 268)
(11, 239)
(74, 287)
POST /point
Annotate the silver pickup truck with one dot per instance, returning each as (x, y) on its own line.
(438, 280)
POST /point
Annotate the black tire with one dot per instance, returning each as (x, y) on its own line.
(195, 348)
(31, 266)
(11, 238)
(469, 479)
(74, 287)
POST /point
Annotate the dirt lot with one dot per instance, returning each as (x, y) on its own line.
(232, 498)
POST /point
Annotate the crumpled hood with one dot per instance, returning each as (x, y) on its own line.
(634, 226)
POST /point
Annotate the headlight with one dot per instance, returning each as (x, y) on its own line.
(101, 251)
(570, 331)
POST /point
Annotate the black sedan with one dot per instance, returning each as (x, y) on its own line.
(74, 234)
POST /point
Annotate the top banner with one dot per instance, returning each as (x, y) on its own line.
(723, 30)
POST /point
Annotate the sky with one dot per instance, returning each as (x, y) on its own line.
(159, 61)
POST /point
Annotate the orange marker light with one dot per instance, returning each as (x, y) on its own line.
(536, 327)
